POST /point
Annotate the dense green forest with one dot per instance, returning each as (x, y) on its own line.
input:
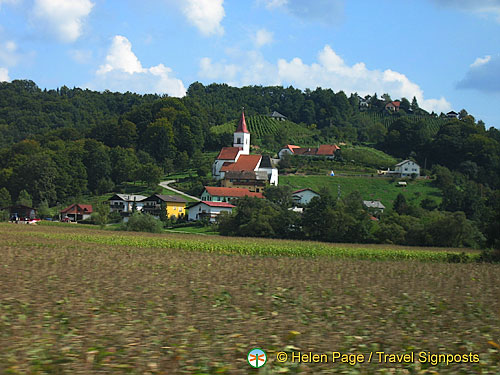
(57, 145)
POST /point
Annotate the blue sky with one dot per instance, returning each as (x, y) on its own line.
(444, 52)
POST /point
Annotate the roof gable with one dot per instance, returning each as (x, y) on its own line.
(228, 153)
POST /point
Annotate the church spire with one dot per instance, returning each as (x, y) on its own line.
(242, 125)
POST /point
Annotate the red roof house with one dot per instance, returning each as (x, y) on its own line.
(77, 212)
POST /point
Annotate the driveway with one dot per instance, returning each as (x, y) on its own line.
(165, 184)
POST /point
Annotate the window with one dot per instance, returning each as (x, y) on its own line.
(238, 140)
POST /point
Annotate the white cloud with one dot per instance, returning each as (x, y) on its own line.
(270, 4)
(62, 18)
(330, 71)
(481, 7)
(480, 61)
(4, 75)
(8, 53)
(263, 37)
(121, 57)
(324, 11)
(124, 72)
(483, 75)
(206, 15)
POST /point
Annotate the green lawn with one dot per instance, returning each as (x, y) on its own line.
(371, 188)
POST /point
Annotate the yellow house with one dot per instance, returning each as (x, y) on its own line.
(174, 205)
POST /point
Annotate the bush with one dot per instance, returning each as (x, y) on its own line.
(490, 256)
(143, 223)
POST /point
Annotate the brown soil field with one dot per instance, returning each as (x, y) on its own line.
(71, 307)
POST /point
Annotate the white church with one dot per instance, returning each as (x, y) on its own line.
(238, 158)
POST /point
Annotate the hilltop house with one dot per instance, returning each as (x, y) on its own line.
(393, 106)
(208, 210)
(225, 194)
(277, 116)
(173, 205)
(77, 212)
(238, 158)
(327, 151)
(407, 168)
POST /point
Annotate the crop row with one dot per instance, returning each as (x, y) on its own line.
(251, 247)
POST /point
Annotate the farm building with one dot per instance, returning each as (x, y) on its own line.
(20, 212)
(303, 196)
(407, 168)
(327, 151)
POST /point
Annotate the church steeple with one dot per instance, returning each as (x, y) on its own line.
(242, 125)
(242, 135)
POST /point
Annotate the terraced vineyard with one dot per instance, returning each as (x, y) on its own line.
(433, 124)
(261, 125)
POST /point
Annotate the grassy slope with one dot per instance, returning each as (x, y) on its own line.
(74, 306)
(375, 188)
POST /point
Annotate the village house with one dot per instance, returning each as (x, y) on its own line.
(327, 151)
(304, 196)
(407, 168)
(76, 212)
(173, 205)
(452, 114)
(238, 158)
(125, 203)
(225, 194)
(208, 210)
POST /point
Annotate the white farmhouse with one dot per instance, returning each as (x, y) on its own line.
(124, 203)
(208, 210)
(407, 168)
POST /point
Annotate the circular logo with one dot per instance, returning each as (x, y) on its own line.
(256, 358)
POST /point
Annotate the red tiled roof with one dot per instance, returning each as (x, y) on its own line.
(75, 208)
(244, 163)
(242, 125)
(291, 147)
(228, 153)
(327, 149)
(305, 151)
(231, 192)
(217, 204)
